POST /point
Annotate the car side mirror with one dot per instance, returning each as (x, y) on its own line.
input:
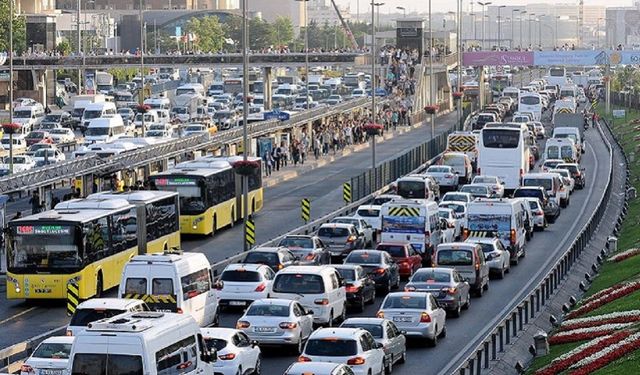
(403, 332)
(308, 312)
(379, 345)
(218, 285)
(254, 343)
(209, 356)
(342, 283)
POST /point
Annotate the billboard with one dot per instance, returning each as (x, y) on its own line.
(549, 58)
(493, 58)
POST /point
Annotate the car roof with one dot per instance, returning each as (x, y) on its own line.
(273, 301)
(407, 294)
(367, 251)
(369, 207)
(351, 333)
(482, 239)
(218, 333)
(58, 340)
(363, 320)
(109, 303)
(439, 269)
(312, 367)
(268, 249)
(245, 266)
(336, 225)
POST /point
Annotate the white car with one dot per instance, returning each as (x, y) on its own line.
(244, 283)
(351, 346)
(237, 354)
(386, 333)
(318, 368)
(358, 93)
(416, 313)
(193, 129)
(566, 178)
(371, 215)
(48, 155)
(160, 134)
(455, 196)
(540, 131)
(497, 257)
(62, 135)
(491, 181)
(21, 163)
(537, 212)
(453, 222)
(445, 175)
(277, 322)
(50, 357)
(163, 127)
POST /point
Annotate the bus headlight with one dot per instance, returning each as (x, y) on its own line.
(15, 283)
(197, 221)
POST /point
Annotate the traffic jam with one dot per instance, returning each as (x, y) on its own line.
(419, 254)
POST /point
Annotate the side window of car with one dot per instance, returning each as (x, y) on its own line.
(396, 331)
(433, 302)
(334, 281)
(480, 255)
(243, 340)
(389, 330)
(364, 343)
(371, 341)
(296, 310)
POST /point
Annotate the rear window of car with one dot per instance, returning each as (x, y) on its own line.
(293, 242)
(347, 274)
(405, 302)
(432, 275)
(368, 212)
(333, 232)
(82, 317)
(455, 257)
(546, 183)
(51, 350)
(268, 310)
(331, 347)
(259, 257)
(486, 247)
(217, 344)
(240, 276)
(363, 258)
(396, 251)
(298, 283)
(527, 193)
(374, 329)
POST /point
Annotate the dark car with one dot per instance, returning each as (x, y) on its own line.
(275, 257)
(61, 118)
(341, 239)
(310, 250)
(37, 136)
(576, 172)
(448, 287)
(379, 265)
(550, 208)
(360, 288)
(404, 254)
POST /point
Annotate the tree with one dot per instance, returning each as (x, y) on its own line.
(209, 33)
(64, 48)
(233, 30)
(284, 31)
(261, 34)
(19, 29)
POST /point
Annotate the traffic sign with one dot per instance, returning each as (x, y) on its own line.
(251, 232)
(73, 297)
(306, 209)
(346, 192)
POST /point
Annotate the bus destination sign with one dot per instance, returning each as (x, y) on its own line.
(43, 229)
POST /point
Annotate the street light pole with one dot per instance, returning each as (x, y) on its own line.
(79, 48)
(141, 92)
(245, 115)
(522, 13)
(404, 11)
(373, 88)
(598, 32)
(531, 18)
(556, 32)
(513, 20)
(11, 84)
(499, 28)
(483, 5)
(459, 40)
(431, 76)
(306, 52)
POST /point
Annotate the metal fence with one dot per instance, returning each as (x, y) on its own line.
(504, 332)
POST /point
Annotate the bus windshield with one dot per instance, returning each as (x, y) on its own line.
(557, 72)
(192, 201)
(43, 247)
(500, 138)
(530, 100)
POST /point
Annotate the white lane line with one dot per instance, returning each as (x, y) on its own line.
(18, 315)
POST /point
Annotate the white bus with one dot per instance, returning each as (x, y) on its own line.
(530, 102)
(557, 76)
(503, 152)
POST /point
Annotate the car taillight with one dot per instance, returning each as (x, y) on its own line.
(351, 238)
(380, 271)
(309, 257)
(380, 315)
(513, 236)
(409, 288)
(356, 361)
(304, 359)
(69, 333)
(179, 311)
(448, 175)
(227, 357)
(450, 225)
(449, 290)
(280, 266)
(261, 287)
(322, 301)
(288, 325)
(539, 213)
(403, 264)
(352, 289)
(26, 368)
(241, 324)
(465, 234)
(425, 317)
(477, 266)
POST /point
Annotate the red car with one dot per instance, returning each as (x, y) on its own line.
(405, 255)
(38, 136)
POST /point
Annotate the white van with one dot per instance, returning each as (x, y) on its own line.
(173, 282)
(502, 218)
(19, 144)
(98, 110)
(150, 343)
(151, 117)
(416, 222)
(551, 182)
(572, 133)
(461, 164)
(29, 116)
(561, 148)
(319, 288)
(158, 103)
(104, 129)
(95, 309)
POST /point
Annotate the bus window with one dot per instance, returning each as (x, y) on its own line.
(500, 138)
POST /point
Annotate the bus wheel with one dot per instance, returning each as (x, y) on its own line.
(99, 285)
(253, 206)
(213, 227)
(233, 218)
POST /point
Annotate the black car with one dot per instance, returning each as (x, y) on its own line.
(361, 289)
(275, 257)
(379, 265)
(550, 208)
(309, 249)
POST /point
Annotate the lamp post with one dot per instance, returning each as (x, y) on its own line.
(378, 5)
(483, 5)
(531, 18)
(473, 25)
(79, 47)
(513, 19)
(373, 87)
(11, 83)
(431, 76)
(459, 45)
(522, 13)
(306, 51)
(245, 110)
(404, 11)
(499, 28)
(540, 32)
(556, 31)
(141, 91)
(598, 32)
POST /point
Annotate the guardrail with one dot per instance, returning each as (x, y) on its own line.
(91, 164)
(503, 332)
(12, 358)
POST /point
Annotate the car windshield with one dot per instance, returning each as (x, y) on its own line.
(22, 114)
(268, 310)
(97, 131)
(379, 201)
(443, 214)
(368, 212)
(58, 131)
(44, 248)
(331, 347)
(396, 251)
(457, 208)
(41, 153)
(484, 180)
(454, 197)
(51, 118)
(35, 135)
(347, 274)
(82, 317)
(363, 258)
(297, 242)
(455, 258)
(240, 275)
(261, 257)
(546, 183)
(474, 190)
(88, 115)
(51, 350)
(374, 329)
(411, 189)
(438, 170)
(486, 247)
(436, 276)
(217, 344)
(534, 205)
(333, 232)
(533, 193)
(298, 283)
(405, 302)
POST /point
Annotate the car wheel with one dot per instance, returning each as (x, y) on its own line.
(443, 333)
(388, 368)
(385, 289)
(486, 286)
(501, 273)
(468, 303)
(479, 292)
(216, 319)
(514, 261)
(403, 358)
(257, 369)
(239, 372)
(434, 341)
(456, 312)
(567, 203)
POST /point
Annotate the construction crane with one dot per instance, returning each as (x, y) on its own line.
(580, 21)
(345, 26)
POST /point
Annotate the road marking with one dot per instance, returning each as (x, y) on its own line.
(473, 343)
(18, 315)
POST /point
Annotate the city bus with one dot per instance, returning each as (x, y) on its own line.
(210, 193)
(557, 76)
(530, 102)
(504, 152)
(499, 82)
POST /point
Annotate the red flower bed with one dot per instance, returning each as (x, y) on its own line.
(143, 108)
(555, 340)
(431, 109)
(626, 256)
(595, 303)
(245, 168)
(607, 358)
(595, 323)
(11, 128)
(373, 129)
(458, 94)
(561, 365)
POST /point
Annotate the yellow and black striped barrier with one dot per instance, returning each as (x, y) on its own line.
(73, 298)
(305, 209)
(404, 211)
(346, 192)
(152, 299)
(250, 237)
(564, 110)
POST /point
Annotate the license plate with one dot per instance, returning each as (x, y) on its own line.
(402, 319)
(264, 329)
(50, 372)
(237, 303)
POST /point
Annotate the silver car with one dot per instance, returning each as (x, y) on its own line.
(416, 313)
(496, 256)
(493, 182)
(446, 176)
(386, 333)
(277, 322)
(445, 284)
(361, 226)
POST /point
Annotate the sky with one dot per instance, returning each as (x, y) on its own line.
(447, 5)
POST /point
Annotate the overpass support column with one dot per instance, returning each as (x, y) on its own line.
(267, 76)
